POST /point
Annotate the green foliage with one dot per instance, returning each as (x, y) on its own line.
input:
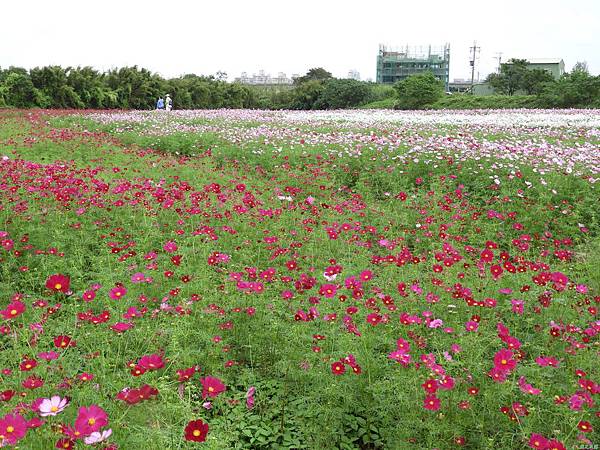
(315, 74)
(271, 97)
(90, 86)
(382, 92)
(535, 80)
(515, 76)
(19, 91)
(52, 81)
(139, 88)
(419, 90)
(576, 89)
(136, 88)
(307, 94)
(511, 77)
(346, 93)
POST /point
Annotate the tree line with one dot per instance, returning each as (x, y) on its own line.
(139, 88)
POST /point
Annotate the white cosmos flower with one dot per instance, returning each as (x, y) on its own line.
(330, 277)
(97, 436)
(52, 406)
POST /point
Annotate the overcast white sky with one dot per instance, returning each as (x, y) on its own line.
(173, 37)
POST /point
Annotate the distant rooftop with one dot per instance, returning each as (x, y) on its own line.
(542, 60)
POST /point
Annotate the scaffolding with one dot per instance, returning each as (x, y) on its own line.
(396, 64)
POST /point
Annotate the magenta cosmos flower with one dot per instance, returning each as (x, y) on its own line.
(58, 283)
(211, 387)
(13, 428)
(90, 419)
(117, 292)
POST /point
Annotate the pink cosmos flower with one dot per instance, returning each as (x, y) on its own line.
(121, 327)
(517, 306)
(503, 360)
(117, 292)
(13, 428)
(13, 310)
(328, 290)
(52, 406)
(538, 441)
(138, 277)
(250, 397)
(90, 419)
(431, 402)
(151, 362)
(401, 357)
(48, 356)
(211, 387)
(170, 247)
(436, 323)
(471, 325)
(527, 388)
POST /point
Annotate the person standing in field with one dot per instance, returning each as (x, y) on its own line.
(160, 104)
(168, 103)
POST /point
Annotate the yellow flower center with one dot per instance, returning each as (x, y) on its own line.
(211, 389)
(91, 421)
(57, 286)
(9, 429)
(28, 366)
(196, 433)
(13, 312)
(54, 409)
(503, 361)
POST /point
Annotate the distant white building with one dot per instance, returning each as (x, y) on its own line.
(263, 78)
(353, 74)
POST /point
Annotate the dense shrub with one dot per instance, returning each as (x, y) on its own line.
(417, 91)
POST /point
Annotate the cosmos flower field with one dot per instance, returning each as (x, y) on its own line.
(299, 280)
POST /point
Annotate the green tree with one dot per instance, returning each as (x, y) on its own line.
(19, 91)
(53, 82)
(535, 80)
(314, 74)
(573, 90)
(419, 90)
(511, 77)
(344, 93)
(307, 94)
(136, 88)
(90, 86)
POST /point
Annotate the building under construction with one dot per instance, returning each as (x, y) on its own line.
(399, 63)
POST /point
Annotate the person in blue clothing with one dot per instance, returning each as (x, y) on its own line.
(160, 104)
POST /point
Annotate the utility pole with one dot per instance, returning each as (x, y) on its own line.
(474, 52)
(499, 58)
